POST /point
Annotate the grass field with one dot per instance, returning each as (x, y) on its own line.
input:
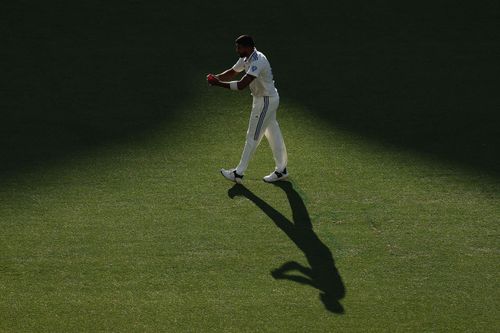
(114, 216)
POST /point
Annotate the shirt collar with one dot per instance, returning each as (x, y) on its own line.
(251, 56)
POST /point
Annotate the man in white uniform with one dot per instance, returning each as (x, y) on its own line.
(259, 77)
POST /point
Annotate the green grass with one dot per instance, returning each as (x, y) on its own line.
(113, 214)
(143, 236)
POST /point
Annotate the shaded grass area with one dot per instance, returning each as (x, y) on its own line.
(84, 74)
(416, 76)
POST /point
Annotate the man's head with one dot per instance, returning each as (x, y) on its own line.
(244, 46)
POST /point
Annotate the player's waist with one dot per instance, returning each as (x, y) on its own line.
(270, 96)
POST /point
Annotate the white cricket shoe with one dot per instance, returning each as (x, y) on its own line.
(232, 175)
(276, 176)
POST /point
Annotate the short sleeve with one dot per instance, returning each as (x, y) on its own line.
(255, 68)
(239, 66)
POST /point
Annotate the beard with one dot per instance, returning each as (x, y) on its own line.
(244, 54)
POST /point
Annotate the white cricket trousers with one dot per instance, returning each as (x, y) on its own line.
(263, 122)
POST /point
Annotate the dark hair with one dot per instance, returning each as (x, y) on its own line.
(245, 40)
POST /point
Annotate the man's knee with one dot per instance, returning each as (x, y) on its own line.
(251, 142)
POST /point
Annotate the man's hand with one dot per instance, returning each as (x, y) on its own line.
(212, 79)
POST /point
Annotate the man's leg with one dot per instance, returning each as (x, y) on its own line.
(262, 109)
(275, 138)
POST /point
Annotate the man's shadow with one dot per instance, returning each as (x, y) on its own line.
(322, 273)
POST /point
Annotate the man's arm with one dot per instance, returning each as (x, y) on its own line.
(227, 75)
(240, 85)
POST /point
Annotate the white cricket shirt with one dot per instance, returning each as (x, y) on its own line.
(257, 65)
